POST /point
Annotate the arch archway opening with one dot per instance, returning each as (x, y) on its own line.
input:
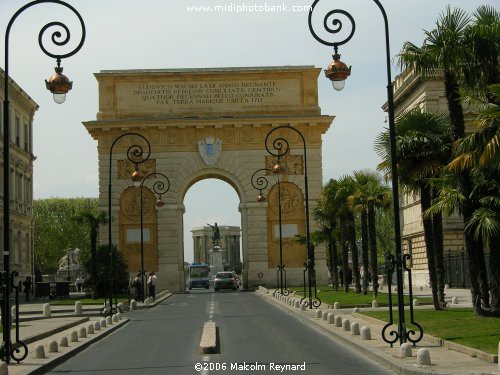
(209, 200)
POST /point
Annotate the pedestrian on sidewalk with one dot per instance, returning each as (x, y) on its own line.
(28, 284)
(137, 284)
(152, 285)
(79, 283)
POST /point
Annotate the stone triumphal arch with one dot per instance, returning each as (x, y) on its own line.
(210, 123)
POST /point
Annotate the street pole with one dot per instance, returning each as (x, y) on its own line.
(59, 85)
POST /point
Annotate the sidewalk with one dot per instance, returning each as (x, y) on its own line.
(35, 331)
(444, 361)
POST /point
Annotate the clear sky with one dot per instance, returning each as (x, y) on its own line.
(125, 34)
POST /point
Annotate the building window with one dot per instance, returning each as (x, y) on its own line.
(27, 252)
(18, 132)
(26, 138)
(19, 248)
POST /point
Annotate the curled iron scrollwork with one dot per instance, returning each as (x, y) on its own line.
(58, 38)
(159, 187)
(335, 22)
(261, 182)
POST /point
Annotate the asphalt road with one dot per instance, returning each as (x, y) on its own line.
(256, 337)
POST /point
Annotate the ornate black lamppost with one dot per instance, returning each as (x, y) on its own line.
(59, 85)
(135, 154)
(159, 187)
(260, 183)
(280, 148)
(338, 72)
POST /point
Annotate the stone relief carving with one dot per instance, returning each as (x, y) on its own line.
(131, 203)
(294, 164)
(126, 168)
(290, 198)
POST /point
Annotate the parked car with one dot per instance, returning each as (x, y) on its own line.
(225, 280)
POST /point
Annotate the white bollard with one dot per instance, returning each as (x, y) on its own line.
(405, 350)
(330, 318)
(133, 305)
(119, 315)
(82, 333)
(90, 328)
(114, 318)
(355, 328)
(39, 351)
(454, 300)
(415, 302)
(53, 347)
(366, 333)
(423, 357)
(46, 311)
(336, 305)
(63, 342)
(103, 323)
(78, 307)
(319, 313)
(120, 306)
(4, 370)
(97, 326)
(374, 304)
(297, 304)
(355, 310)
(109, 321)
(74, 336)
(346, 325)
(303, 307)
(338, 321)
(325, 316)
(446, 287)
(13, 312)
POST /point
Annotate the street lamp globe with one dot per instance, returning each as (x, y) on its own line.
(159, 204)
(136, 178)
(261, 197)
(337, 72)
(59, 85)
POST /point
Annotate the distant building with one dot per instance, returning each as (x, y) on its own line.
(412, 91)
(229, 243)
(22, 110)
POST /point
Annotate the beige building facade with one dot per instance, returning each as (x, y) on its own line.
(22, 110)
(412, 91)
(229, 244)
(209, 123)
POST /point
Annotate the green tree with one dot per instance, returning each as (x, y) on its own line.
(92, 219)
(423, 147)
(55, 230)
(346, 188)
(370, 194)
(326, 215)
(466, 51)
(102, 280)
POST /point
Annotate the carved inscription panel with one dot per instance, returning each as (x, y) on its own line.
(207, 95)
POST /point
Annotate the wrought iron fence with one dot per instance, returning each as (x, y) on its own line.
(456, 268)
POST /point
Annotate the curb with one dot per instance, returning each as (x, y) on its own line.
(444, 343)
(380, 357)
(44, 368)
(44, 335)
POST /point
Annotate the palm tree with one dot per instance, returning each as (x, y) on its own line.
(326, 214)
(370, 194)
(348, 232)
(92, 220)
(480, 153)
(423, 146)
(451, 48)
